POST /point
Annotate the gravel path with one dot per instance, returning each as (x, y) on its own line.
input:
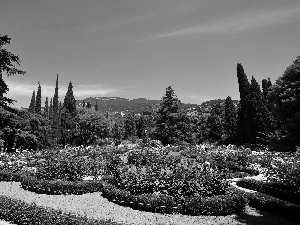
(94, 205)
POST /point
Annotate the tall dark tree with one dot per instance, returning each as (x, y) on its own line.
(7, 66)
(68, 116)
(96, 106)
(46, 109)
(38, 101)
(215, 123)
(244, 89)
(32, 103)
(130, 126)
(69, 101)
(284, 100)
(51, 110)
(266, 84)
(55, 99)
(230, 125)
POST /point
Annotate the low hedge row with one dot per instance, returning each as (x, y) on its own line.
(9, 176)
(233, 202)
(269, 189)
(58, 187)
(21, 213)
(274, 205)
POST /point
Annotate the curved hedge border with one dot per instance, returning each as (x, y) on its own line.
(9, 176)
(20, 212)
(270, 189)
(274, 205)
(58, 187)
(233, 202)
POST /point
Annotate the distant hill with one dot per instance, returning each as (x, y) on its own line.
(124, 104)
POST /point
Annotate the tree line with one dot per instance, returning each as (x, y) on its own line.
(265, 115)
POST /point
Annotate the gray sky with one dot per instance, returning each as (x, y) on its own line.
(137, 48)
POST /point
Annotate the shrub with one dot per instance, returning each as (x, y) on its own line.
(20, 213)
(60, 187)
(274, 205)
(9, 176)
(270, 189)
(218, 205)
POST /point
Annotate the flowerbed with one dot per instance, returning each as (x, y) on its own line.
(272, 189)
(229, 203)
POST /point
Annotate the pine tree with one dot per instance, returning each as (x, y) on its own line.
(7, 65)
(130, 126)
(69, 101)
(32, 103)
(244, 89)
(51, 110)
(261, 120)
(46, 109)
(96, 106)
(55, 99)
(230, 125)
(38, 101)
(264, 85)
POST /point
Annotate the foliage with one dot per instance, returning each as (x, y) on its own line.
(32, 103)
(38, 101)
(58, 187)
(20, 212)
(230, 123)
(269, 189)
(274, 205)
(7, 65)
(284, 99)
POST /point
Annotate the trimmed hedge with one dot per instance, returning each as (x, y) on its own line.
(9, 176)
(233, 202)
(21, 213)
(270, 189)
(274, 205)
(58, 187)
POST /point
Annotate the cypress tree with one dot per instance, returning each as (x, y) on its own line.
(32, 103)
(244, 89)
(230, 125)
(264, 85)
(38, 101)
(69, 101)
(51, 110)
(96, 106)
(46, 109)
(55, 99)
(261, 121)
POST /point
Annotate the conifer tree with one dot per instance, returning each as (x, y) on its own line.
(55, 99)
(264, 85)
(7, 65)
(38, 101)
(130, 126)
(69, 101)
(32, 103)
(244, 89)
(51, 110)
(96, 106)
(230, 125)
(261, 120)
(46, 109)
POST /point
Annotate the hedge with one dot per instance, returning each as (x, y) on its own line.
(270, 189)
(57, 187)
(274, 205)
(9, 176)
(20, 212)
(233, 202)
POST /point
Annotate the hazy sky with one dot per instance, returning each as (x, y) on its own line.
(137, 48)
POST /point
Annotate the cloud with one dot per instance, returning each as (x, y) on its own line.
(236, 23)
(80, 91)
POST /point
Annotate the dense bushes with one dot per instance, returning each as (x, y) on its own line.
(9, 176)
(231, 202)
(57, 187)
(22, 213)
(274, 205)
(271, 189)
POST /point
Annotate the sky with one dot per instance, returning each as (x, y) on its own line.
(137, 48)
